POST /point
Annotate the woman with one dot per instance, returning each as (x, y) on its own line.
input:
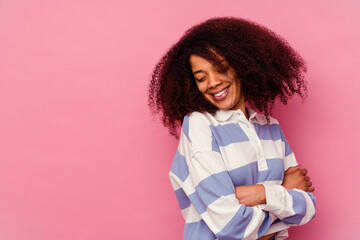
(234, 174)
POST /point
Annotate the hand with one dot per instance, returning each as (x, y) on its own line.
(295, 177)
(251, 195)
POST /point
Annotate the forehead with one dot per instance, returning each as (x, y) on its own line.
(197, 61)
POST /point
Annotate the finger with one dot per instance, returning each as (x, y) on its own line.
(292, 169)
(308, 184)
(304, 171)
(307, 178)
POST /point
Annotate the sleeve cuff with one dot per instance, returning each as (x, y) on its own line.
(274, 198)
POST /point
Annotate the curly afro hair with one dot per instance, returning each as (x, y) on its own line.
(264, 62)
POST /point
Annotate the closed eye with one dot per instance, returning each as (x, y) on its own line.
(200, 79)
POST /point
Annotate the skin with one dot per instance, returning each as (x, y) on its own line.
(211, 79)
(252, 195)
(214, 78)
(294, 177)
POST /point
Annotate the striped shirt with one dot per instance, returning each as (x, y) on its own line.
(218, 152)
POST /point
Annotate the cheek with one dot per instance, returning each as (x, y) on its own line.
(201, 87)
(232, 75)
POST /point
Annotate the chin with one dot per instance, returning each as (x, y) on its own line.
(223, 108)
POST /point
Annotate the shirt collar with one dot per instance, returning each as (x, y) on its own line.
(224, 115)
(252, 114)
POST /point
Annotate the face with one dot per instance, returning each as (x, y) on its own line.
(219, 84)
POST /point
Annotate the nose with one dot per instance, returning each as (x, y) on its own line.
(214, 81)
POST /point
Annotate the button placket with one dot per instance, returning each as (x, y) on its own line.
(250, 131)
(262, 164)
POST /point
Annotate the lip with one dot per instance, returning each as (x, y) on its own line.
(213, 93)
(223, 96)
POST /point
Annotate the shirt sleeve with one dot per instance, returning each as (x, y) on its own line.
(209, 189)
(292, 207)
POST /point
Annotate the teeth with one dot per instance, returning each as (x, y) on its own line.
(220, 93)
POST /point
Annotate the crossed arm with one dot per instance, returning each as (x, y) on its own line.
(207, 196)
(252, 195)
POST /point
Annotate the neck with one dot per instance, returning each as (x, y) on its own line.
(244, 110)
(242, 107)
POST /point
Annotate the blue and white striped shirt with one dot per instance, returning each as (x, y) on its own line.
(221, 151)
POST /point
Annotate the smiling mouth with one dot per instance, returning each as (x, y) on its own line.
(221, 95)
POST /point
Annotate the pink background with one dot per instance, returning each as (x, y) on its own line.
(82, 158)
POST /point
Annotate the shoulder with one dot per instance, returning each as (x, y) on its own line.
(197, 118)
(196, 128)
(268, 130)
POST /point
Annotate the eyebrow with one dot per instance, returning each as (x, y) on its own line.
(216, 63)
(199, 71)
